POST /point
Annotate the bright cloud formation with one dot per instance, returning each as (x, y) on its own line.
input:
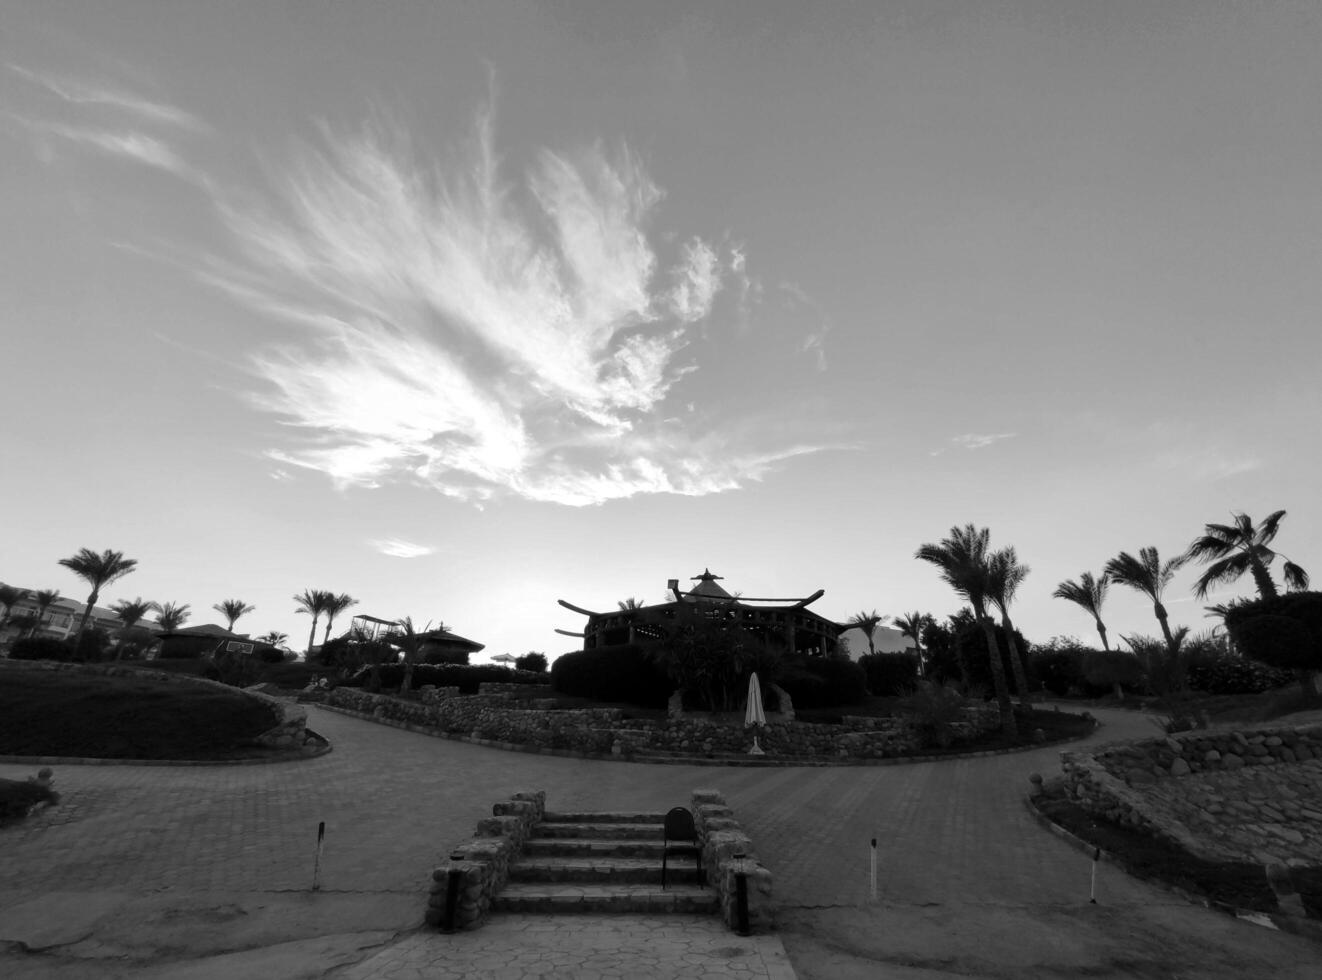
(480, 336)
(397, 548)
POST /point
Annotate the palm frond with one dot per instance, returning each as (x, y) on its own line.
(1296, 578)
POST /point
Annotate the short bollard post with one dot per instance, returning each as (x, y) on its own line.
(740, 898)
(454, 880)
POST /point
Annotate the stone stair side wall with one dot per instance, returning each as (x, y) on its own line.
(289, 730)
(727, 852)
(484, 861)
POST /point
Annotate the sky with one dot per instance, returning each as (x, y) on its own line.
(464, 308)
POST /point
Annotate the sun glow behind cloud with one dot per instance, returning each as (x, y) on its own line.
(480, 336)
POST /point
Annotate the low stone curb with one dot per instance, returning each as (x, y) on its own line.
(1284, 923)
(752, 761)
(61, 760)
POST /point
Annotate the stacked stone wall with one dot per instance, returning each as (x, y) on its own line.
(482, 863)
(1251, 794)
(727, 855)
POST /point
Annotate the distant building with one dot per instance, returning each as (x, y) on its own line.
(785, 622)
(61, 619)
(201, 641)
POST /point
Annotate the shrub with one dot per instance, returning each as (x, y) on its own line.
(271, 655)
(1231, 674)
(889, 674)
(42, 648)
(626, 673)
(1111, 672)
(91, 646)
(17, 798)
(463, 676)
(1059, 665)
(971, 649)
(823, 682)
(1283, 632)
(933, 709)
(533, 661)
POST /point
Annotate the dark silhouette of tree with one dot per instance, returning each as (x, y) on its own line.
(172, 616)
(1148, 575)
(1231, 550)
(232, 609)
(336, 604)
(1087, 593)
(130, 612)
(313, 602)
(868, 623)
(1005, 574)
(98, 571)
(912, 625)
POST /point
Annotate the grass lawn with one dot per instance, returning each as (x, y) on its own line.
(54, 713)
(1239, 885)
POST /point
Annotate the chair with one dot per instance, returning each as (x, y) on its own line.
(680, 838)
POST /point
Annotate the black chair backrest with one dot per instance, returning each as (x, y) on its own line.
(679, 825)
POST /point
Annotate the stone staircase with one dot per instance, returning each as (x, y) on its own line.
(601, 863)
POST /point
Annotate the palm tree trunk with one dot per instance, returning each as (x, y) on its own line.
(1101, 631)
(1160, 610)
(87, 613)
(1262, 579)
(312, 636)
(325, 637)
(1017, 663)
(1008, 724)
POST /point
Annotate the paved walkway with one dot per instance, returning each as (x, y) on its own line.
(151, 862)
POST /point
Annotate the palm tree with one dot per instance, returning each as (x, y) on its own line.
(1147, 574)
(172, 616)
(232, 609)
(10, 596)
(44, 598)
(1088, 593)
(409, 641)
(1003, 580)
(630, 609)
(868, 623)
(98, 571)
(314, 602)
(912, 625)
(962, 560)
(130, 612)
(336, 604)
(274, 638)
(1239, 547)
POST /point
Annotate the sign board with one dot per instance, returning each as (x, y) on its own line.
(234, 646)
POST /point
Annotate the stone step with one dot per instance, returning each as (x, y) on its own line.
(598, 899)
(604, 870)
(622, 816)
(588, 847)
(599, 831)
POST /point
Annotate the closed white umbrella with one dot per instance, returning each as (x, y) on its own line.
(753, 713)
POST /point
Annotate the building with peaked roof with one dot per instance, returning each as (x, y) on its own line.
(439, 642)
(788, 623)
(61, 619)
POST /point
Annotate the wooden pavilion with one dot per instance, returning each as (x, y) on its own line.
(786, 622)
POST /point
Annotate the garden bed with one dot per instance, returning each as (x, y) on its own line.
(1231, 885)
(65, 714)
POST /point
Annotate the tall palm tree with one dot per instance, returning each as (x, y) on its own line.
(44, 598)
(172, 616)
(912, 625)
(232, 609)
(409, 640)
(314, 602)
(336, 604)
(274, 637)
(130, 612)
(9, 597)
(1005, 574)
(962, 560)
(1230, 550)
(98, 571)
(868, 623)
(1088, 593)
(1148, 575)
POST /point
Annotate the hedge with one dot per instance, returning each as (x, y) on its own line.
(890, 674)
(1229, 674)
(822, 682)
(625, 673)
(466, 678)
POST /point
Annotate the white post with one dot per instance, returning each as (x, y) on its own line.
(1092, 888)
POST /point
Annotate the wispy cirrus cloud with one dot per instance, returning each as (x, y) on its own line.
(399, 548)
(81, 93)
(134, 146)
(813, 342)
(484, 336)
(980, 440)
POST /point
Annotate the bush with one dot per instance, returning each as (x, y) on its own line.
(971, 649)
(1283, 632)
(932, 709)
(533, 661)
(823, 682)
(1230, 674)
(1111, 672)
(1059, 666)
(889, 674)
(17, 798)
(271, 655)
(42, 648)
(465, 677)
(620, 673)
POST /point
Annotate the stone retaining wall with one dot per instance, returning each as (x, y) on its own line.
(493, 717)
(289, 730)
(482, 863)
(727, 854)
(1253, 794)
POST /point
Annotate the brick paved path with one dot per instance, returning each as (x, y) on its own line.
(953, 835)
